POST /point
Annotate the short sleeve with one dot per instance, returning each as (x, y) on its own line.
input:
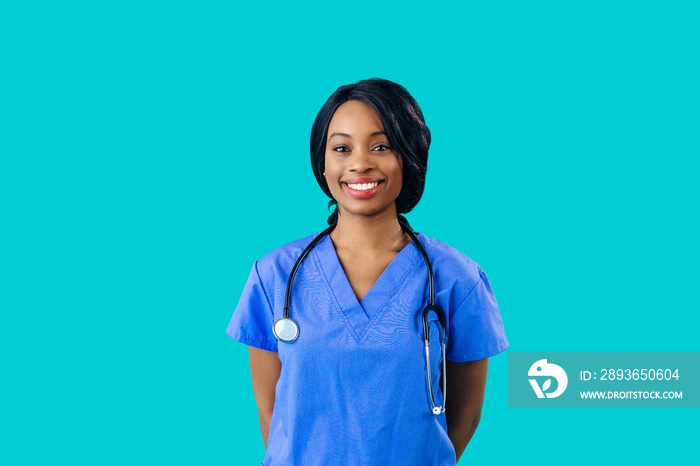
(475, 327)
(252, 319)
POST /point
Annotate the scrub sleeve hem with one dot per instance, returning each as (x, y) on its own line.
(254, 342)
(484, 354)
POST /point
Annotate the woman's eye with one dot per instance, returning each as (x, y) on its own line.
(382, 147)
(340, 149)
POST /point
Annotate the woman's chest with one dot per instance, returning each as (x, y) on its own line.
(363, 270)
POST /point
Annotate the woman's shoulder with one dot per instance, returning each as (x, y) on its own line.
(283, 257)
(451, 263)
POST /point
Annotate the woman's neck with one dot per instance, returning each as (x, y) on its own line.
(362, 234)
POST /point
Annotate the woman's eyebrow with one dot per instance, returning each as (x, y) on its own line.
(376, 133)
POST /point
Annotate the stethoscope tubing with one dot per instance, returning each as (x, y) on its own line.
(288, 294)
(287, 330)
(406, 228)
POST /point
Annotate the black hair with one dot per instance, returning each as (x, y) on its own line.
(405, 129)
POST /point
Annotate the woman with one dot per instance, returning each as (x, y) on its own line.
(349, 384)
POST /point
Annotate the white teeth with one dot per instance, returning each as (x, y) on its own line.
(363, 186)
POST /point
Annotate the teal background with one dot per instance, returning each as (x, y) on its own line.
(151, 151)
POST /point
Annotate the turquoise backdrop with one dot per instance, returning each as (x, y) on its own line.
(151, 151)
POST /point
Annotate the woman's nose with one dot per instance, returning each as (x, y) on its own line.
(361, 160)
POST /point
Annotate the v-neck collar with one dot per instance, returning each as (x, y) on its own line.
(360, 314)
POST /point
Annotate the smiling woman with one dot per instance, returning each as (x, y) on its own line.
(389, 120)
(346, 368)
(363, 172)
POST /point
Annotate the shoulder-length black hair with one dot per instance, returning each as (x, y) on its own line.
(405, 129)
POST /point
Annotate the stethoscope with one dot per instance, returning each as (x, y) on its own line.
(286, 329)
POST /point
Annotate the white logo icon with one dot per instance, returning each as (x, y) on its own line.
(541, 368)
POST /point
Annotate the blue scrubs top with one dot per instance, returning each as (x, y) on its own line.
(353, 389)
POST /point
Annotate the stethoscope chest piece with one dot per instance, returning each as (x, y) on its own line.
(285, 329)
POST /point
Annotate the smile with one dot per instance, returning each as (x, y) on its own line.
(363, 190)
(364, 186)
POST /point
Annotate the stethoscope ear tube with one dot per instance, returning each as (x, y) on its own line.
(441, 318)
(429, 383)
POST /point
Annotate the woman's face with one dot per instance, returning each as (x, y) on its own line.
(364, 173)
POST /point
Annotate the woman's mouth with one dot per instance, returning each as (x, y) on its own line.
(362, 190)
